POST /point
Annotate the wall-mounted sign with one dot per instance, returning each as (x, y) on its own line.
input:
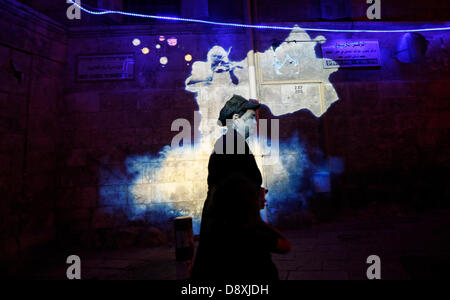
(105, 67)
(351, 54)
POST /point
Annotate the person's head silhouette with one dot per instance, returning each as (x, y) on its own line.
(239, 114)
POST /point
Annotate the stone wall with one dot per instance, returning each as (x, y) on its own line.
(88, 163)
(33, 55)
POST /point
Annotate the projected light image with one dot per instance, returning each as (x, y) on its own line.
(174, 183)
(305, 81)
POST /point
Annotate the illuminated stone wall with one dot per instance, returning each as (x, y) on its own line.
(116, 154)
(89, 163)
(117, 175)
(119, 133)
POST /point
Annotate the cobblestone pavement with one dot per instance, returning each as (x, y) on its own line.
(414, 247)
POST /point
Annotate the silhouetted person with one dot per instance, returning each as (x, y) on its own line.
(231, 210)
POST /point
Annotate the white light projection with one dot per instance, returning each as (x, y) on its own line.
(292, 77)
(175, 182)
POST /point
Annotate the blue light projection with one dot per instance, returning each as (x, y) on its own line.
(289, 193)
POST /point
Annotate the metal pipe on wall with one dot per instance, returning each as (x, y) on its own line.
(252, 69)
(251, 52)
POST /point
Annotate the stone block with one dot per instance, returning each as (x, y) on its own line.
(5, 164)
(144, 136)
(140, 194)
(305, 275)
(151, 237)
(113, 175)
(12, 104)
(113, 195)
(109, 217)
(81, 102)
(111, 102)
(78, 176)
(80, 138)
(438, 120)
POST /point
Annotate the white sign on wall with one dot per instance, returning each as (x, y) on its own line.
(105, 67)
(351, 54)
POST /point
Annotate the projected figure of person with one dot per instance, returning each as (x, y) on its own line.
(234, 242)
(218, 63)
